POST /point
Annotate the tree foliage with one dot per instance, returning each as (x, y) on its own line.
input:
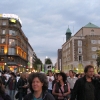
(98, 61)
(48, 61)
(37, 62)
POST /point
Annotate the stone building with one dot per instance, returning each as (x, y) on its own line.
(81, 49)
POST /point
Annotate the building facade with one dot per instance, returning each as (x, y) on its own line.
(81, 49)
(13, 44)
(59, 60)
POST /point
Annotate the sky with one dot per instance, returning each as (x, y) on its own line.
(45, 22)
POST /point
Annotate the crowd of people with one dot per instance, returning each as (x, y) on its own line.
(51, 86)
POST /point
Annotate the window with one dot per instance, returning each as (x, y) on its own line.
(93, 48)
(79, 43)
(94, 56)
(79, 50)
(11, 51)
(3, 40)
(79, 58)
(11, 32)
(12, 42)
(2, 49)
(10, 59)
(98, 41)
(3, 31)
(92, 33)
(1, 58)
(4, 23)
(94, 41)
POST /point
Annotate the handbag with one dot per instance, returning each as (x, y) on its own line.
(17, 95)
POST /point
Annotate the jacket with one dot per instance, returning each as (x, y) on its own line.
(20, 84)
(79, 89)
(45, 96)
(14, 84)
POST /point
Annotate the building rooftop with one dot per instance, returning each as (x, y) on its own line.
(90, 25)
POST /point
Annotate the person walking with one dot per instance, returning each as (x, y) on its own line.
(50, 80)
(3, 95)
(38, 84)
(71, 79)
(87, 87)
(22, 86)
(12, 84)
(61, 89)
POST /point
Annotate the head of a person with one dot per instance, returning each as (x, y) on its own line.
(78, 75)
(23, 75)
(62, 77)
(71, 73)
(56, 76)
(38, 82)
(89, 71)
(13, 75)
(50, 73)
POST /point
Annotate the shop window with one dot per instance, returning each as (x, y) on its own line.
(1, 58)
(11, 59)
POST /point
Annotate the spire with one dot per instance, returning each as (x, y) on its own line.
(68, 33)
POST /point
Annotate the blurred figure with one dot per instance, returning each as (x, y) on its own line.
(71, 79)
(50, 80)
(18, 77)
(55, 79)
(22, 86)
(61, 89)
(3, 78)
(78, 76)
(3, 95)
(38, 84)
(12, 84)
(87, 87)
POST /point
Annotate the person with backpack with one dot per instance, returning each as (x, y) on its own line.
(61, 89)
(3, 95)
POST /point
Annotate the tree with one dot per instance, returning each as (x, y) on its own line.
(37, 62)
(98, 61)
(48, 61)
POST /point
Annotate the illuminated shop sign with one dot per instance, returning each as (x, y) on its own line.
(13, 20)
(11, 16)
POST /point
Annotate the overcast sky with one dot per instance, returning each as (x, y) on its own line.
(45, 22)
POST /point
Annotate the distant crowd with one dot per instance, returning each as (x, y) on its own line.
(50, 86)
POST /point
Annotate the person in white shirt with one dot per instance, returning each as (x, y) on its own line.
(50, 80)
(71, 79)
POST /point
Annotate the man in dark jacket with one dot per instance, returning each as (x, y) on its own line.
(22, 86)
(87, 87)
